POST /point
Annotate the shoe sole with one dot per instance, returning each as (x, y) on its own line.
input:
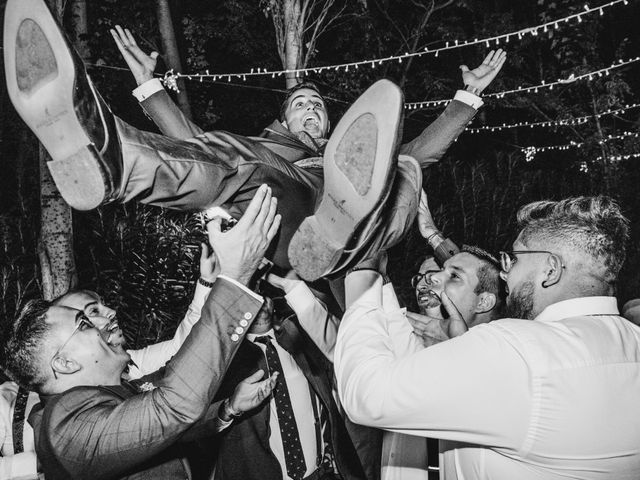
(40, 75)
(359, 163)
(350, 259)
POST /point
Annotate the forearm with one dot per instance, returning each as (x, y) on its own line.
(314, 318)
(165, 113)
(433, 142)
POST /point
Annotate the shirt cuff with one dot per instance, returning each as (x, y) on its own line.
(242, 287)
(469, 98)
(147, 89)
(299, 297)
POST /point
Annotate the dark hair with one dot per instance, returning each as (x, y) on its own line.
(294, 89)
(594, 226)
(23, 350)
(488, 275)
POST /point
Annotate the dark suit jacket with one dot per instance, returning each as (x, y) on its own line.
(243, 448)
(108, 432)
(426, 148)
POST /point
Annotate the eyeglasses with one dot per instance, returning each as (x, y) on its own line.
(415, 280)
(509, 258)
(82, 324)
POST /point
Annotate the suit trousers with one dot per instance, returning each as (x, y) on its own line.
(222, 169)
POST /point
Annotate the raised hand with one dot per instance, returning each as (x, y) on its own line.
(240, 249)
(480, 77)
(252, 391)
(426, 225)
(141, 65)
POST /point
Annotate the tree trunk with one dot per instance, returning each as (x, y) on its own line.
(55, 244)
(293, 28)
(170, 49)
(80, 31)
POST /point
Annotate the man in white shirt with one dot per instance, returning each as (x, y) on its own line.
(551, 395)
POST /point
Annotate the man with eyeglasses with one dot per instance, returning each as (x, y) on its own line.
(549, 395)
(93, 424)
(17, 450)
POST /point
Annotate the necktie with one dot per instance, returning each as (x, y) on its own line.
(293, 456)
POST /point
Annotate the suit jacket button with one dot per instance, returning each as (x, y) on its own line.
(248, 316)
(239, 330)
(234, 337)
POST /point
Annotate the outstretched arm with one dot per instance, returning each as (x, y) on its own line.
(152, 96)
(433, 142)
(313, 315)
(443, 247)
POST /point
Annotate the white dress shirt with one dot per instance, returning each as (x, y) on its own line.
(551, 398)
(300, 393)
(404, 457)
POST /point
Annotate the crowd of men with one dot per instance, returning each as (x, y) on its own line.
(518, 364)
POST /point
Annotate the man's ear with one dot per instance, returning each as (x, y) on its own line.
(65, 365)
(553, 271)
(486, 302)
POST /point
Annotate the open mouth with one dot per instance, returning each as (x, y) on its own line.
(113, 335)
(429, 299)
(310, 121)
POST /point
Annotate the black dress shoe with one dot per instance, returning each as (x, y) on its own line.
(359, 167)
(50, 89)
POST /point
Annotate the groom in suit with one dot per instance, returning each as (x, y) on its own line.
(335, 211)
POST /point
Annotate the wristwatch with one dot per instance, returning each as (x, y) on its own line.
(226, 413)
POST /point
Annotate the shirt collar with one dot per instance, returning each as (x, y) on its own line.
(252, 336)
(576, 307)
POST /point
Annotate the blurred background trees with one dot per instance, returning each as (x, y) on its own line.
(144, 260)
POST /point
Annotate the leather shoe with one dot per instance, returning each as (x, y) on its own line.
(50, 89)
(359, 167)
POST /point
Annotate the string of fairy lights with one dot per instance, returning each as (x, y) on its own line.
(552, 123)
(496, 40)
(531, 151)
(171, 77)
(589, 76)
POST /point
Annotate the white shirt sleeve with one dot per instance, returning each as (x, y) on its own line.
(474, 388)
(23, 466)
(154, 357)
(314, 317)
(403, 340)
(469, 98)
(147, 89)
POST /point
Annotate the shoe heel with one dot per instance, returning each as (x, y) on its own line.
(79, 178)
(311, 253)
